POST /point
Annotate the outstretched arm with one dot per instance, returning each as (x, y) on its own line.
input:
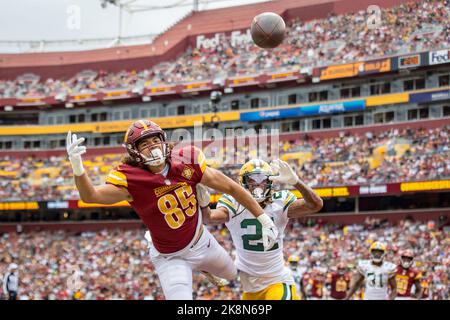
(217, 180)
(106, 194)
(311, 202)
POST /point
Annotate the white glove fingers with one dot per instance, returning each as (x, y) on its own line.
(68, 141)
(265, 242)
(274, 178)
(75, 144)
(78, 151)
(283, 164)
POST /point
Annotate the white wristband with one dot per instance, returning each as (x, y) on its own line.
(265, 220)
(77, 166)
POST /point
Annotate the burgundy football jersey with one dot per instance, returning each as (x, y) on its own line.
(166, 205)
(405, 280)
(339, 284)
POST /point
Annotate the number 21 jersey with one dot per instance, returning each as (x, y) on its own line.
(246, 232)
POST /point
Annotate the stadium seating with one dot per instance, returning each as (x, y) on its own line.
(114, 264)
(392, 156)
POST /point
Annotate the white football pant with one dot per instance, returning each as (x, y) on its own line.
(175, 271)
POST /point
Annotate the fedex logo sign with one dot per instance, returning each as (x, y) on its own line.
(440, 56)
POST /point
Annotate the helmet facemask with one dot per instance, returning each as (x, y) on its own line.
(258, 184)
(151, 154)
(406, 261)
(377, 255)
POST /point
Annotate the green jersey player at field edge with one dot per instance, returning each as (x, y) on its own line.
(263, 273)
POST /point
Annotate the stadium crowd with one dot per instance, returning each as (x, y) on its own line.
(114, 264)
(410, 27)
(391, 156)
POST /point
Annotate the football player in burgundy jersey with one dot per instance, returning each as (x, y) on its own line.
(407, 276)
(338, 282)
(426, 284)
(314, 283)
(160, 185)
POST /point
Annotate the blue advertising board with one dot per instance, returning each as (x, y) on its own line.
(429, 96)
(347, 106)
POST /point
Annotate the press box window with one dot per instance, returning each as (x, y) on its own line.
(384, 117)
(292, 99)
(446, 111)
(380, 88)
(318, 96)
(321, 123)
(181, 110)
(444, 80)
(413, 84)
(235, 105)
(144, 113)
(421, 113)
(254, 103)
(353, 120)
(350, 92)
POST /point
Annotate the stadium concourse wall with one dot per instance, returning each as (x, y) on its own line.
(175, 40)
(327, 133)
(341, 218)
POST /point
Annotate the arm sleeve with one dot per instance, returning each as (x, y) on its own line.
(117, 178)
(360, 268)
(289, 198)
(392, 270)
(229, 203)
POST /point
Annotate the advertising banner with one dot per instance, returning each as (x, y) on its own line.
(347, 106)
(439, 57)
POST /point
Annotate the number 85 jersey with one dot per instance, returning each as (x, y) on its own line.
(166, 204)
(376, 278)
(246, 232)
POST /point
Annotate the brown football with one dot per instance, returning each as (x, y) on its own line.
(267, 30)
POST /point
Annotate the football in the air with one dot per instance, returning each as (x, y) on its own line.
(267, 30)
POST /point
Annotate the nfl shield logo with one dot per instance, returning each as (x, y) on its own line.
(167, 181)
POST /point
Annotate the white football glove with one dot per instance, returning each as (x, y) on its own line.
(269, 231)
(285, 174)
(74, 150)
(203, 195)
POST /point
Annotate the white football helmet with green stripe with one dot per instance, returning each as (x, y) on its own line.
(254, 176)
